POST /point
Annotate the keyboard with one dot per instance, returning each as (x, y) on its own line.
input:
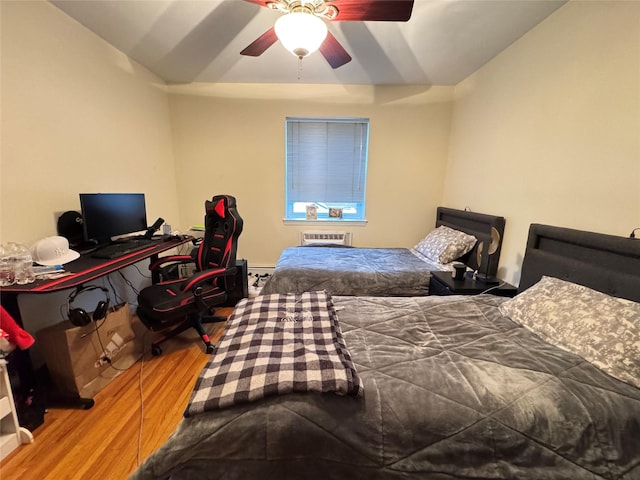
(122, 247)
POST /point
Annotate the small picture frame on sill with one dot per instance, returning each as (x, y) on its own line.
(335, 213)
(312, 212)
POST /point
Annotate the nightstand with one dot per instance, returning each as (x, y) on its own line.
(443, 283)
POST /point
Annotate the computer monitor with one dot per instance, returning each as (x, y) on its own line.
(107, 215)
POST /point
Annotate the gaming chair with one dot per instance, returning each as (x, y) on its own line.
(172, 306)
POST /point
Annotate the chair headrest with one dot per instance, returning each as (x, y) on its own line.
(219, 208)
(219, 204)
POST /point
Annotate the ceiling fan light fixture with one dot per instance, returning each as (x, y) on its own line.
(301, 33)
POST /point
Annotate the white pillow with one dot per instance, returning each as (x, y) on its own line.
(444, 244)
(602, 329)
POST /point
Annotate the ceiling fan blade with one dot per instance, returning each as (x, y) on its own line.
(333, 52)
(260, 44)
(372, 10)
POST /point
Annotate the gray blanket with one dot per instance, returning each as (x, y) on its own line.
(351, 271)
(453, 390)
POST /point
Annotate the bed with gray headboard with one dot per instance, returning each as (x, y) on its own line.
(541, 386)
(392, 271)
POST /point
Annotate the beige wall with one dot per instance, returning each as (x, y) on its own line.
(549, 131)
(230, 139)
(77, 116)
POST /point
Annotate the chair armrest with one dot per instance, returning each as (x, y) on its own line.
(207, 276)
(181, 259)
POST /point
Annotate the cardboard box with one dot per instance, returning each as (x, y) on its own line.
(76, 357)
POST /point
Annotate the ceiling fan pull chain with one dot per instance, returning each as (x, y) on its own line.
(299, 68)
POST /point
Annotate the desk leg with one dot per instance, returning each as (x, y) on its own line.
(155, 274)
(63, 400)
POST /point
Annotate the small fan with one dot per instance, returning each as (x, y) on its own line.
(482, 257)
(303, 15)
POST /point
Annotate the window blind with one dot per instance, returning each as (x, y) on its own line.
(326, 159)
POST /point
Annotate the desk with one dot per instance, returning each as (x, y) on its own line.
(84, 269)
(87, 268)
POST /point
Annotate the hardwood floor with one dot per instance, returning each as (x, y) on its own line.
(105, 441)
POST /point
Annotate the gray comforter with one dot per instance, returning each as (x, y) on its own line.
(453, 390)
(351, 271)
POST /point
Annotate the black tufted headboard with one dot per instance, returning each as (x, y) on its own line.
(478, 225)
(607, 263)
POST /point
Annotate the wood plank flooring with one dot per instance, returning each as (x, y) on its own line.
(104, 442)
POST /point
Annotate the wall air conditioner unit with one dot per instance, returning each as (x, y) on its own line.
(325, 238)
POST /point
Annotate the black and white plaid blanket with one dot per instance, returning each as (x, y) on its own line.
(277, 344)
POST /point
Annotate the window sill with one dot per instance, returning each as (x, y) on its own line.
(325, 222)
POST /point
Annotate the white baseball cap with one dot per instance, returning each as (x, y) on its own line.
(53, 251)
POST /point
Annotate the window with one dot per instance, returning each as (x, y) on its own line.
(326, 168)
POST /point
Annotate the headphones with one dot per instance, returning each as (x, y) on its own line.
(78, 316)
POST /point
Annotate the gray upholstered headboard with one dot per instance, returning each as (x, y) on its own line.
(478, 225)
(606, 263)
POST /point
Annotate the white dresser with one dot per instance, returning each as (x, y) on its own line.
(11, 433)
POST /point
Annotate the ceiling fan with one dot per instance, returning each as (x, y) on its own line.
(309, 17)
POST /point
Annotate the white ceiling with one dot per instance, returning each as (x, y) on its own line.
(185, 41)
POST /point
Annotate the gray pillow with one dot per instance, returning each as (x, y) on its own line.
(444, 244)
(602, 329)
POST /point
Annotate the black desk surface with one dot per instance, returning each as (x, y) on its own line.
(87, 268)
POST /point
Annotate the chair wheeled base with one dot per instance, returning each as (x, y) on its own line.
(193, 321)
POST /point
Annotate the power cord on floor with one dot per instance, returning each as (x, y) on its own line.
(495, 287)
(141, 403)
(140, 390)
